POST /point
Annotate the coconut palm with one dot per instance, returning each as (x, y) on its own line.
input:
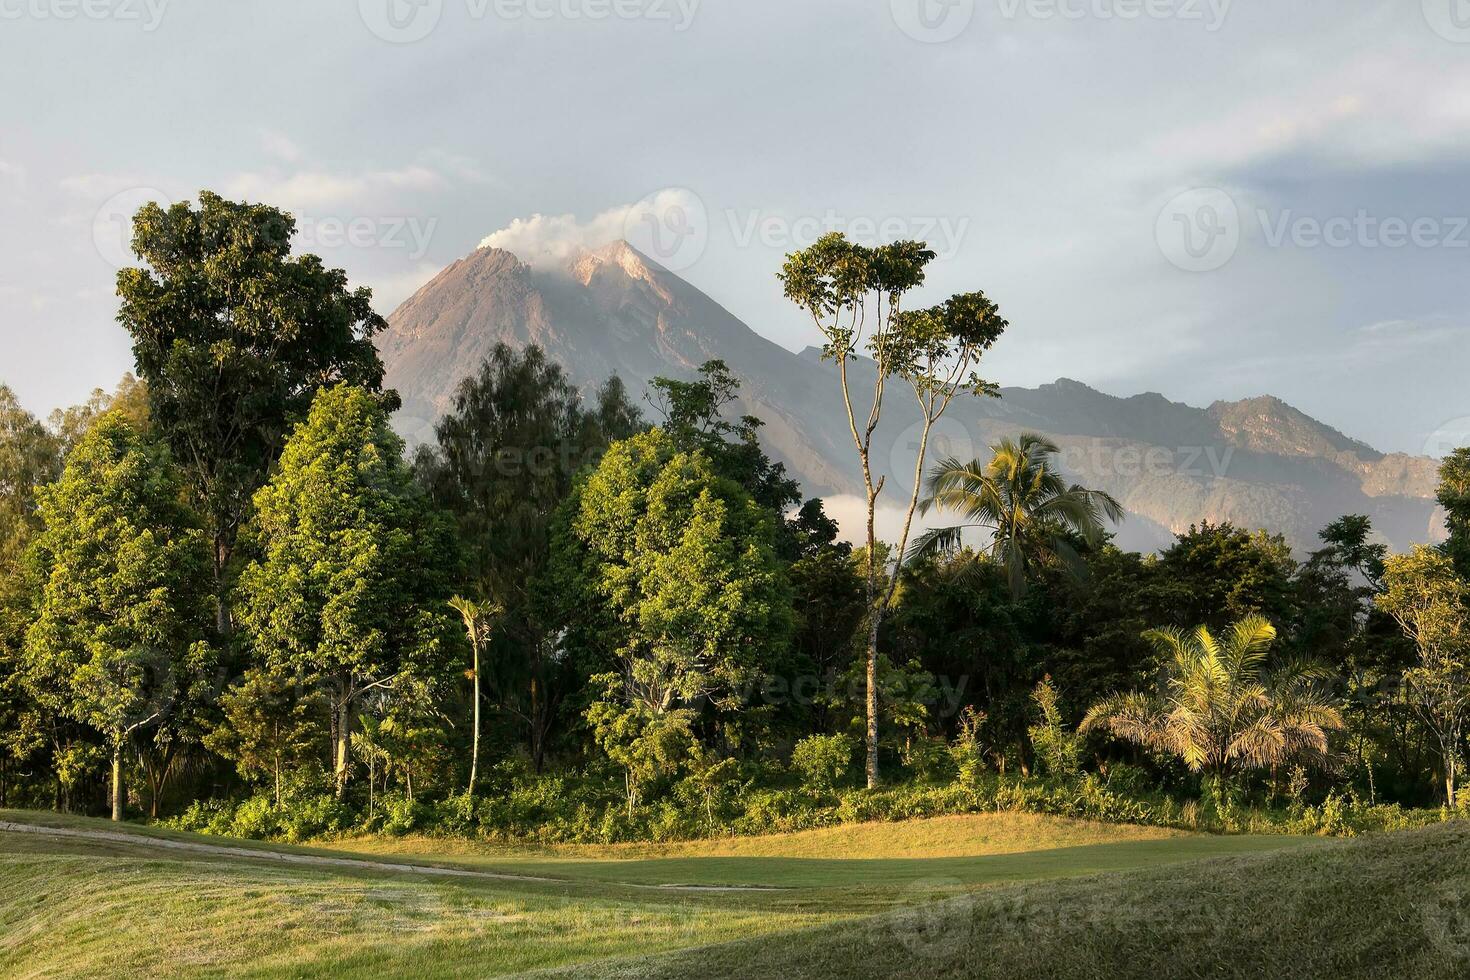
(478, 618)
(1218, 707)
(1020, 497)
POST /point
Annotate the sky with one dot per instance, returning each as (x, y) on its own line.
(1205, 198)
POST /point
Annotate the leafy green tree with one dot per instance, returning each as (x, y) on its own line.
(123, 604)
(234, 336)
(270, 727)
(1454, 496)
(1219, 707)
(1217, 574)
(508, 450)
(351, 588)
(1431, 602)
(693, 414)
(855, 296)
(684, 563)
(1033, 515)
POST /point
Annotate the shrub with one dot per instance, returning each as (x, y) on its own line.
(822, 761)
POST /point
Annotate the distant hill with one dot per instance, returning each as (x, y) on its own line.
(1257, 462)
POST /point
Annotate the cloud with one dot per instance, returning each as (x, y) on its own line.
(280, 145)
(546, 240)
(322, 189)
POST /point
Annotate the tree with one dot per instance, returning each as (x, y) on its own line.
(1218, 574)
(1423, 593)
(234, 336)
(123, 610)
(351, 587)
(683, 561)
(29, 458)
(1033, 515)
(477, 622)
(1454, 496)
(693, 415)
(1219, 708)
(855, 296)
(270, 726)
(508, 450)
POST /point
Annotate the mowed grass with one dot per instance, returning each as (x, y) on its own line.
(1389, 906)
(1003, 895)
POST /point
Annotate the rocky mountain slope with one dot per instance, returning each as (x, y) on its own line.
(1257, 462)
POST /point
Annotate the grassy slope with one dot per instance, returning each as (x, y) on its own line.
(74, 906)
(1387, 906)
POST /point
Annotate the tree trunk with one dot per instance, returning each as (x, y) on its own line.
(343, 746)
(475, 738)
(221, 610)
(872, 739)
(117, 790)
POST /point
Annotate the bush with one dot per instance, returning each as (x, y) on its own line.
(822, 761)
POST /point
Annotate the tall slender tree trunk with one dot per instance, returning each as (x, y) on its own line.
(221, 609)
(343, 745)
(117, 789)
(475, 737)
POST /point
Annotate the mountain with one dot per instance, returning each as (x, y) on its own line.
(1257, 462)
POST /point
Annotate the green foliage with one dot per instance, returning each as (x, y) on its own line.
(234, 336)
(1058, 750)
(1454, 496)
(1032, 515)
(270, 727)
(508, 451)
(822, 761)
(1431, 602)
(1219, 707)
(684, 562)
(120, 571)
(351, 587)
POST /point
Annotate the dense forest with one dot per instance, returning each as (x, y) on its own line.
(231, 597)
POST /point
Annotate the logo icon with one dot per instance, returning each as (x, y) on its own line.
(1454, 434)
(112, 226)
(1199, 230)
(932, 21)
(401, 21)
(670, 226)
(948, 439)
(1450, 19)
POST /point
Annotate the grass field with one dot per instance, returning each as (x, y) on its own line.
(1001, 895)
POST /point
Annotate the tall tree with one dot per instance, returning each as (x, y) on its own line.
(122, 572)
(1033, 515)
(351, 589)
(477, 622)
(508, 450)
(1454, 497)
(234, 336)
(855, 297)
(1422, 591)
(684, 562)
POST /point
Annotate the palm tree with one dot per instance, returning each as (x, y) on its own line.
(1021, 498)
(1217, 706)
(477, 619)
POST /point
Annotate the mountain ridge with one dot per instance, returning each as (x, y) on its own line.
(1259, 461)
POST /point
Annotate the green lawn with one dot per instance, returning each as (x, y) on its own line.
(959, 896)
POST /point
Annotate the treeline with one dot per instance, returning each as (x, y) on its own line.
(230, 597)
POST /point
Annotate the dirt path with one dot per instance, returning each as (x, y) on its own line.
(317, 860)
